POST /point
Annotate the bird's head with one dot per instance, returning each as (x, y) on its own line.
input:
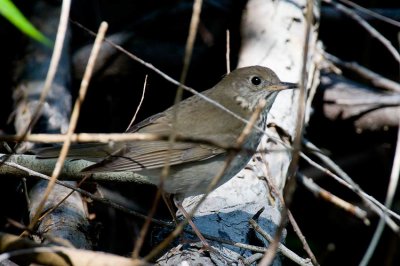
(251, 84)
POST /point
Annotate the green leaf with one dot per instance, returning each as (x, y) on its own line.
(12, 14)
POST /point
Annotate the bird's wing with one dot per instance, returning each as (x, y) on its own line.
(138, 155)
(153, 155)
(96, 152)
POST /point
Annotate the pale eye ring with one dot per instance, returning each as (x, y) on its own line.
(255, 80)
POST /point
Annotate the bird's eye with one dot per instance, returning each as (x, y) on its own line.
(256, 80)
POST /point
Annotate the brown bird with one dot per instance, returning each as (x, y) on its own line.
(193, 165)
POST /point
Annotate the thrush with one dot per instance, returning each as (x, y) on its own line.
(193, 165)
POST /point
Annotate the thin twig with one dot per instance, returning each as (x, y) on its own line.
(126, 137)
(73, 122)
(347, 185)
(324, 194)
(252, 259)
(139, 105)
(28, 200)
(7, 147)
(371, 204)
(295, 226)
(281, 248)
(394, 180)
(302, 238)
(374, 33)
(228, 52)
(372, 13)
(373, 77)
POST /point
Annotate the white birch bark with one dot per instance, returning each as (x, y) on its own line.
(273, 35)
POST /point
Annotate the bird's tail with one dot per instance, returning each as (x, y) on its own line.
(93, 152)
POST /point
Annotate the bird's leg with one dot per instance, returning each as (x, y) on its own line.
(206, 245)
(178, 203)
(167, 199)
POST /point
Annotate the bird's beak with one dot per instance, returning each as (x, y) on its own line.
(283, 86)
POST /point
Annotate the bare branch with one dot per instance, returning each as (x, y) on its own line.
(320, 192)
(376, 34)
(281, 248)
(376, 79)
